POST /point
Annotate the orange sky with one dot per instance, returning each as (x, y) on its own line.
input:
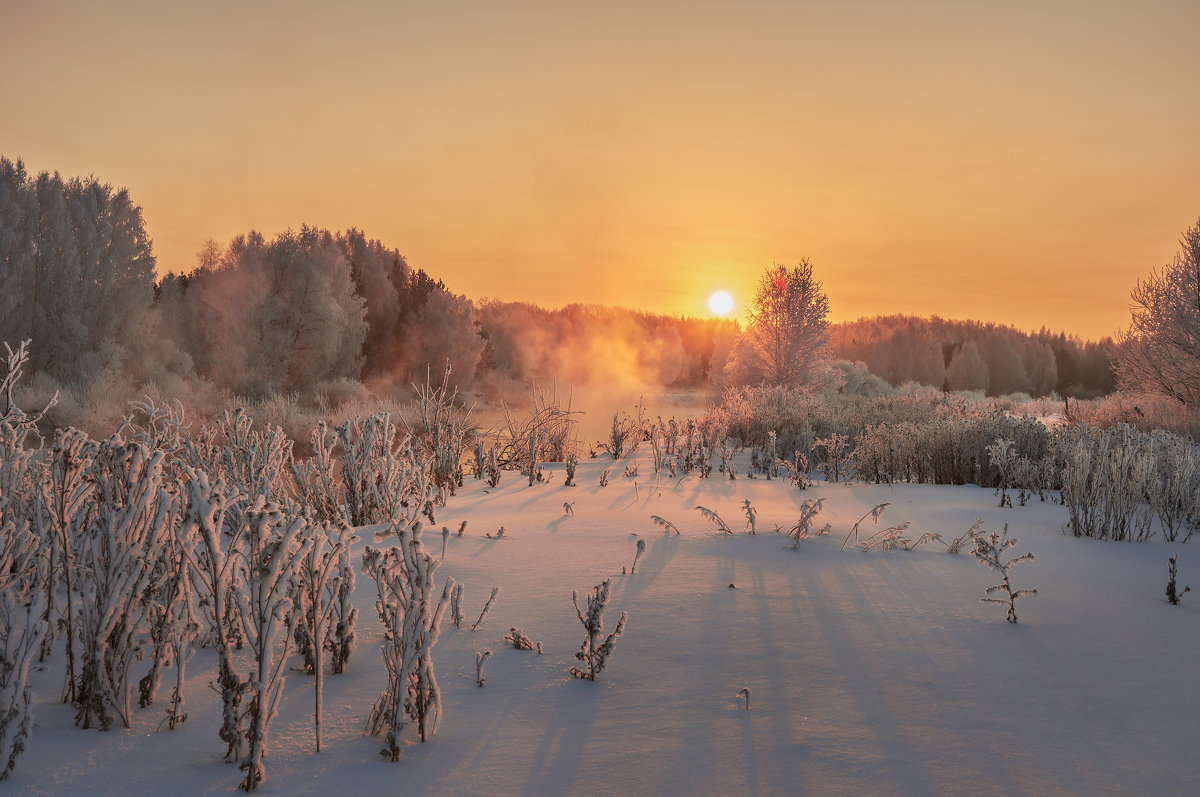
(1019, 162)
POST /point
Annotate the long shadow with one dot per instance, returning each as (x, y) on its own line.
(555, 765)
(661, 552)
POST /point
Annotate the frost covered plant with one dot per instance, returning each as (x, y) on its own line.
(596, 647)
(456, 615)
(665, 524)
(318, 596)
(808, 514)
(837, 456)
(744, 694)
(626, 433)
(891, 538)
(641, 549)
(214, 569)
(1012, 471)
(316, 481)
(487, 607)
(119, 538)
(22, 625)
(15, 424)
(989, 550)
(1173, 595)
(572, 464)
(714, 518)
(517, 638)
(442, 427)
(411, 615)
(874, 515)
(382, 472)
(956, 545)
(751, 515)
(481, 657)
(604, 477)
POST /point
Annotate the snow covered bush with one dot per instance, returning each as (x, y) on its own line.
(836, 457)
(1106, 478)
(316, 479)
(1173, 595)
(214, 570)
(16, 424)
(382, 473)
(517, 638)
(412, 619)
(119, 538)
(596, 647)
(318, 593)
(22, 625)
(274, 549)
(442, 429)
(988, 552)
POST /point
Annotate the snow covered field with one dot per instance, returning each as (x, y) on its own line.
(870, 673)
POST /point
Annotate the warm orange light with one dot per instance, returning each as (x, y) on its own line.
(720, 303)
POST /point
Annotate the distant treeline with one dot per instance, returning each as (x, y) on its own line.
(969, 355)
(330, 316)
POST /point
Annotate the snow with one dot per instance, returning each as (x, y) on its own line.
(871, 673)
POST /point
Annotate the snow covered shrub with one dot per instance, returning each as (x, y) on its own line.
(1106, 478)
(22, 625)
(320, 591)
(213, 569)
(556, 426)
(572, 464)
(596, 647)
(382, 475)
(171, 617)
(119, 539)
(442, 429)
(412, 619)
(751, 515)
(874, 515)
(1174, 494)
(803, 528)
(517, 638)
(1172, 571)
(988, 552)
(316, 479)
(274, 549)
(626, 433)
(797, 471)
(61, 498)
(164, 427)
(256, 461)
(837, 456)
(16, 424)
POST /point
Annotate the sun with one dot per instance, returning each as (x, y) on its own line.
(720, 303)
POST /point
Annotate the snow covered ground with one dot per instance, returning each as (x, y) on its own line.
(870, 673)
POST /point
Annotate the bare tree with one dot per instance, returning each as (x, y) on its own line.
(786, 341)
(1160, 353)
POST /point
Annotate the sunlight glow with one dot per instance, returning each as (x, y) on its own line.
(720, 303)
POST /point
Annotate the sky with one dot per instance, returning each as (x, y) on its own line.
(1022, 163)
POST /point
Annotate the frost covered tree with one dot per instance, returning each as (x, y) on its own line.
(786, 340)
(76, 268)
(1160, 352)
(989, 551)
(967, 370)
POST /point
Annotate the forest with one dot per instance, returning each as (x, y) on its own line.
(314, 321)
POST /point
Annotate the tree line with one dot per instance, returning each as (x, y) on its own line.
(313, 311)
